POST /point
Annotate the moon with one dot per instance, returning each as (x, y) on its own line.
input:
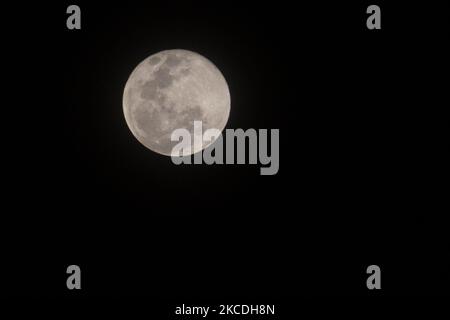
(170, 90)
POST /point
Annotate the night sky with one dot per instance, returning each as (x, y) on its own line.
(363, 161)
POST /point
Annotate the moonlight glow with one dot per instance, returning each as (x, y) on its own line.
(170, 90)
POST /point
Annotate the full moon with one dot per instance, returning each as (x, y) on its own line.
(170, 90)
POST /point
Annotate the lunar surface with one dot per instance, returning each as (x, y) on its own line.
(170, 90)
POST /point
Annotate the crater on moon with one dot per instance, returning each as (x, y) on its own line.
(170, 90)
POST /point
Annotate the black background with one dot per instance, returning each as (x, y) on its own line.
(362, 178)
